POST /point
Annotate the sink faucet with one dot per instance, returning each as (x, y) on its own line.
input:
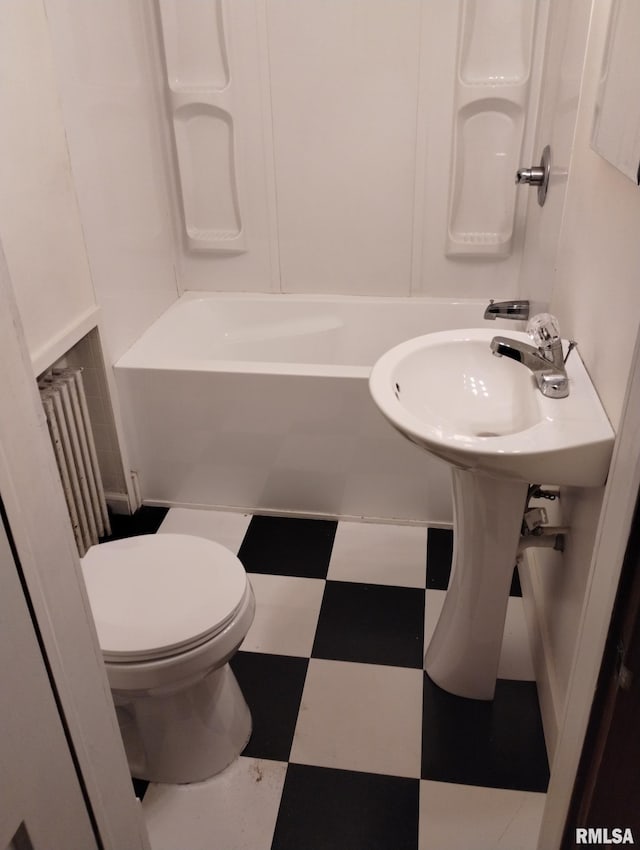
(546, 361)
(507, 310)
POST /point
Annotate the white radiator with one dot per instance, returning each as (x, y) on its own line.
(65, 404)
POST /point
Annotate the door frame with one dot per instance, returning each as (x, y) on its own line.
(607, 788)
(44, 802)
(44, 543)
(612, 536)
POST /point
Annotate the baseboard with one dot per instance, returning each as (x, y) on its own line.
(381, 520)
(118, 503)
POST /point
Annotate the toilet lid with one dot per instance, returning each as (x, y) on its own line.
(157, 595)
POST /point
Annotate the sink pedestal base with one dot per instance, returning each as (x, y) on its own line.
(463, 654)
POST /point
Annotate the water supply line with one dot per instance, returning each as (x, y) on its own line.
(551, 537)
(535, 531)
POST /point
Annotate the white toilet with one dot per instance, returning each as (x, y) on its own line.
(170, 611)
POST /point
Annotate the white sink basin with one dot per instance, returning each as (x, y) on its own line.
(449, 394)
(486, 416)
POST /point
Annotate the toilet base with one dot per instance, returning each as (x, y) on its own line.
(186, 736)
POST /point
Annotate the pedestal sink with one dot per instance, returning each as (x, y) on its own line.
(485, 415)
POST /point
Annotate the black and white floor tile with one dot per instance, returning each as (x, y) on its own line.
(353, 746)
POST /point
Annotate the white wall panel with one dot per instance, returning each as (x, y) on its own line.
(39, 220)
(556, 124)
(201, 99)
(110, 94)
(596, 294)
(228, 62)
(492, 88)
(582, 251)
(478, 100)
(344, 80)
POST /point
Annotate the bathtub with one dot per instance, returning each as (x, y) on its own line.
(261, 403)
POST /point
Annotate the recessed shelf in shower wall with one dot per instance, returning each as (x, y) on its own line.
(492, 87)
(200, 93)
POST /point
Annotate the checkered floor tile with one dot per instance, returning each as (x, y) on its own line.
(353, 746)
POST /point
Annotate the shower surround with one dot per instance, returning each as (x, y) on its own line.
(364, 147)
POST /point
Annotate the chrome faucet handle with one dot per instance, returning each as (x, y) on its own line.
(533, 176)
(537, 175)
(544, 330)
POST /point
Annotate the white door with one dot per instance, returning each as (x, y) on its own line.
(41, 802)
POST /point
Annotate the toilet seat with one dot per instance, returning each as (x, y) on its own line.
(156, 596)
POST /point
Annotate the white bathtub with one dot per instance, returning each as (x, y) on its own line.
(260, 402)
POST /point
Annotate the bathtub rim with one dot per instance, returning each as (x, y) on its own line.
(243, 367)
(134, 358)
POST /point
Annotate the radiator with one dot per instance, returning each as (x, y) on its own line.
(65, 404)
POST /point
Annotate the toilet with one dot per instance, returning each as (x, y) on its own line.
(170, 611)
